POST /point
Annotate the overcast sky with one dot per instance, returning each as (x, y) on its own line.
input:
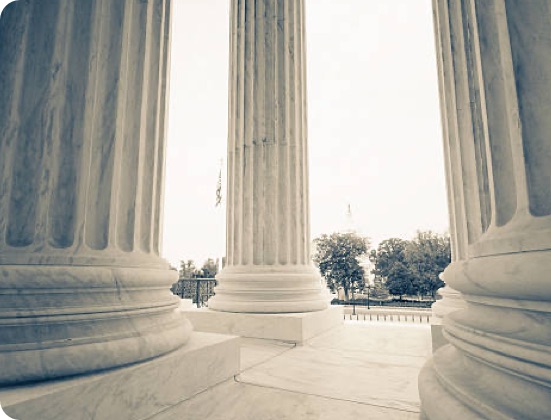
(374, 125)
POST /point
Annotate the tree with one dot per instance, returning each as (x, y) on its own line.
(187, 269)
(337, 256)
(378, 289)
(209, 269)
(412, 267)
(391, 263)
(428, 255)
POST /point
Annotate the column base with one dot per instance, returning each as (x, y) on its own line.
(134, 392)
(58, 321)
(497, 364)
(451, 301)
(270, 289)
(453, 385)
(292, 327)
(436, 401)
(437, 335)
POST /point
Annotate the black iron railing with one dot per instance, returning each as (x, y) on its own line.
(199, 290)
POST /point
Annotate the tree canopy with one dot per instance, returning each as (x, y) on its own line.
(338, 257)
(412, 267)
(189, 270)
(429, 254)
(209, 269)
(391, 263)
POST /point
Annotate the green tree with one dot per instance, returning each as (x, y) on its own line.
(392, 264)
(337, 256)
(428, 255)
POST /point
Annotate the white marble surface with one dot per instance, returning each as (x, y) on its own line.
(82, 118)
(356, 371)
(272, 289)
(256, 351)
(134, 392)
(66, 320)
(234, 401)
(377, 338)
(292, 327)
(493, 60)
(268, 263)
(346, 364)
(451, 301)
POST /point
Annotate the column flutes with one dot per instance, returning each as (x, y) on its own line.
(82, 133)
(268, 245)
(451, 299)
(497, 364)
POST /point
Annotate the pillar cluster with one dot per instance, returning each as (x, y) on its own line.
(494, 61)
(83, 102)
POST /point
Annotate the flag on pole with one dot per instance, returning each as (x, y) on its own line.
(219, 188)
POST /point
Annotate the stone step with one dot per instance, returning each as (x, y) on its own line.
(133, 392)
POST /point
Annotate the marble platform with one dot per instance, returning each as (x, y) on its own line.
(354, 371)
(289, 327)
(135, 392)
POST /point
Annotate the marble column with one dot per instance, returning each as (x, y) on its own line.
(83, 101)
(268, 267)
(451, 299)
(496, 71)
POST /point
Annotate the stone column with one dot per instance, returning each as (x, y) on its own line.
(451, 299)
(496, 57)
(83, 101)
(268, 265)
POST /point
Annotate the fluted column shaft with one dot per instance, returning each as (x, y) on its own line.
(451, 299)
(496, 72)
(83, 96)
(268, 240)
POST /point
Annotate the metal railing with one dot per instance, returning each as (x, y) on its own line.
(199, 290)
(415, 315)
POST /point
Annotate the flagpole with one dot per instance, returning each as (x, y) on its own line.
(219, 203)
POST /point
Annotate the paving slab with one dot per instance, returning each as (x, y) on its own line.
(359, 362)
(236, 401)
(359, 370)
(255, 351)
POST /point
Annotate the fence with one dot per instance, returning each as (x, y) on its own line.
(414, 315)
(386, 303)
(199, 290)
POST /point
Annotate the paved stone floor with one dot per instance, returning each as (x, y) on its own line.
(362, 370)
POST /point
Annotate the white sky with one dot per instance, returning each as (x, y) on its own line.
(374, 124)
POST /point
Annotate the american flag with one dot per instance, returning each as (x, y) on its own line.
(219, 189)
